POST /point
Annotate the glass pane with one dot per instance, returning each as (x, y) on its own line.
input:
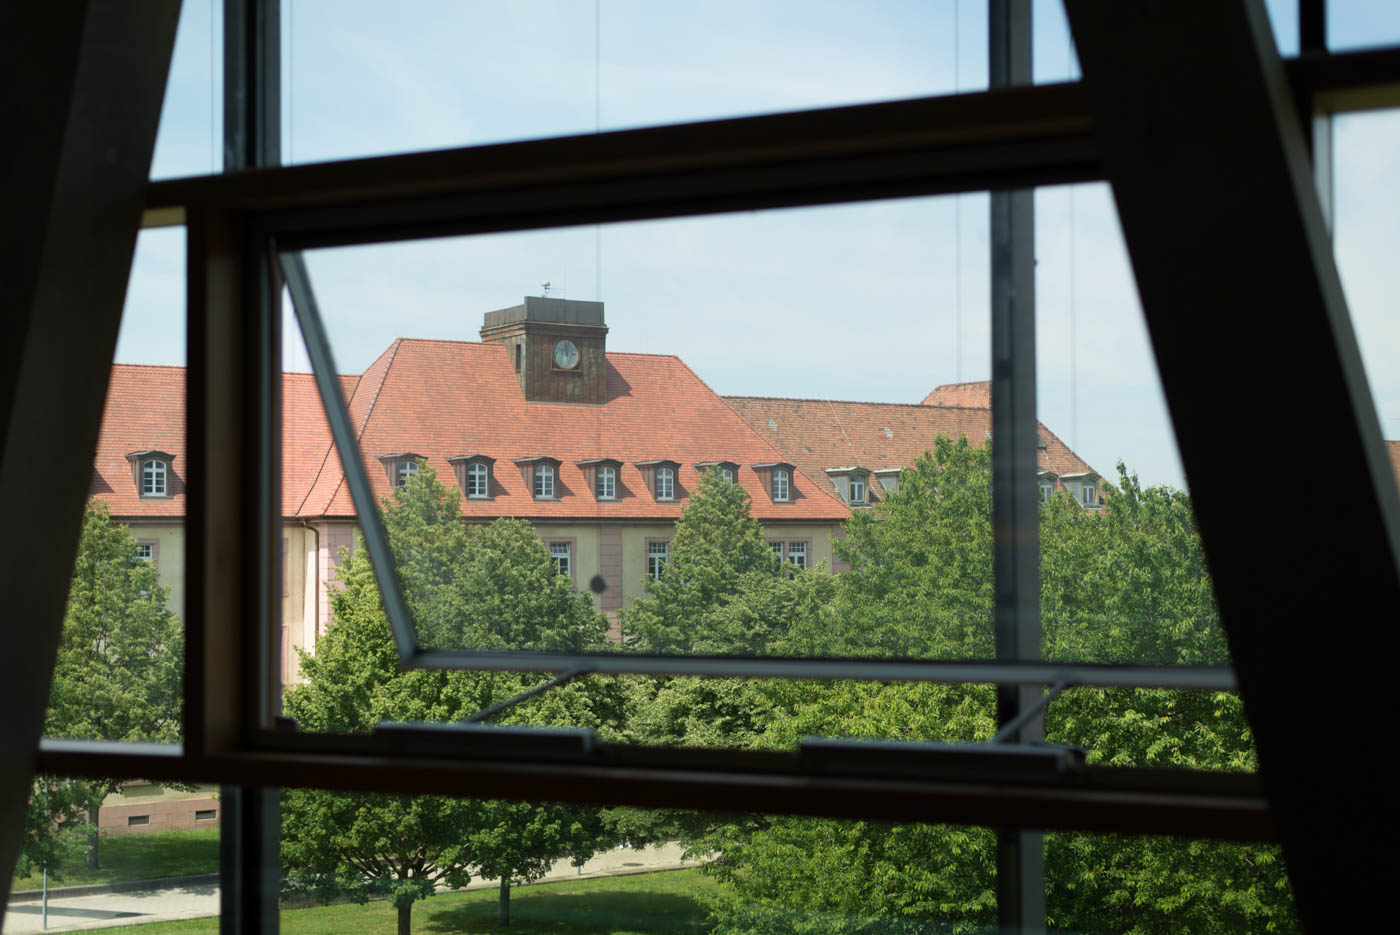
(1361, 23)
(681, 377)
(439, 865)
(1365, 235)
(120, 663)
(190, 138)
(365, 79)
(104, 852)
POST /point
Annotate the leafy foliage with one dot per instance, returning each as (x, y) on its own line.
(117, 675)
(487, 587)
(1126, 584)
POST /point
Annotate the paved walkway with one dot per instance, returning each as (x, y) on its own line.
(105, 910)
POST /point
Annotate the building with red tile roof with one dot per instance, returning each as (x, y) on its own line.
(861, 447)
(598, 450)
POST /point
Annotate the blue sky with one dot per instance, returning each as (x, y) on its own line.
(851, 302)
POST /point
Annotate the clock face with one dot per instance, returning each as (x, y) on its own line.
(566, 355)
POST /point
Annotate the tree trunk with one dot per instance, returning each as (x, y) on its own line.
(406, 919)
(92, 853)
(503, 917)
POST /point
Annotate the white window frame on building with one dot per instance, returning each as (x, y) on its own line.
(473, 475)
(604, 476)
(728, 470)
(1046, 485)
(153, 472)
(779, 478)
(400, 466)
(658, 557)
(561, 553)
(853, 484)
(147, 550)
(792, 552)
(663, 477)
(541, 476)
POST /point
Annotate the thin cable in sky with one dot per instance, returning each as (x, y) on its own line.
(213, 98)
(957, 226)
(597, 128)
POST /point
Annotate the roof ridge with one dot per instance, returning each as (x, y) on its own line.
(115, 365)
(858, 402)
(945, 386)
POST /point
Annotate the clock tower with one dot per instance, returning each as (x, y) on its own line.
(556, 347)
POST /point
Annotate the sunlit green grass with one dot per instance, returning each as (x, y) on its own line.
(133, 857)
(662, 903)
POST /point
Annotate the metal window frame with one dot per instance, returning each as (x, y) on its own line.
(1002, 139)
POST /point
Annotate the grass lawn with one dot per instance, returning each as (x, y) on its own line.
(663, 903)
(134, 857)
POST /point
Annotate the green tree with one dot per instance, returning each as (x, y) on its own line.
(1126, 584)
(486, 587)
(120, 657)
(716, 544)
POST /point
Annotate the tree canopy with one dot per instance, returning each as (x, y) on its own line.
(1125, 584)
(488, 586)
(117, 675)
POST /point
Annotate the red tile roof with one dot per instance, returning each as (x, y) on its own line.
(821, 433)
(448, 398)
(974, 395)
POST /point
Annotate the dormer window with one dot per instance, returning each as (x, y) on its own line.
(1047, 487)
(401, 466)
(602, 475)
(541, 476)
(473, 475)
(152, 472)
(661, 477)
(1083, 487)
(728, 470)
(853, 484)
(777, 477)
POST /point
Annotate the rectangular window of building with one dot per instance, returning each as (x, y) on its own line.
(544, 481)
(153, 475)
(406, 470)
(1046, 489)
(797, 553)
(1088, 495)
(780, 485)
(658, 553)
(478, 480)
(607, 483)
(137, 820)
(857, 490)
(146, 551)
(665, 484)
(561, 554)
(204, 814)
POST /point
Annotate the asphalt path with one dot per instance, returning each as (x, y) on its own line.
(107, 910)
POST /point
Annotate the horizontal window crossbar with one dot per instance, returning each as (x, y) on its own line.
(991, 672)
